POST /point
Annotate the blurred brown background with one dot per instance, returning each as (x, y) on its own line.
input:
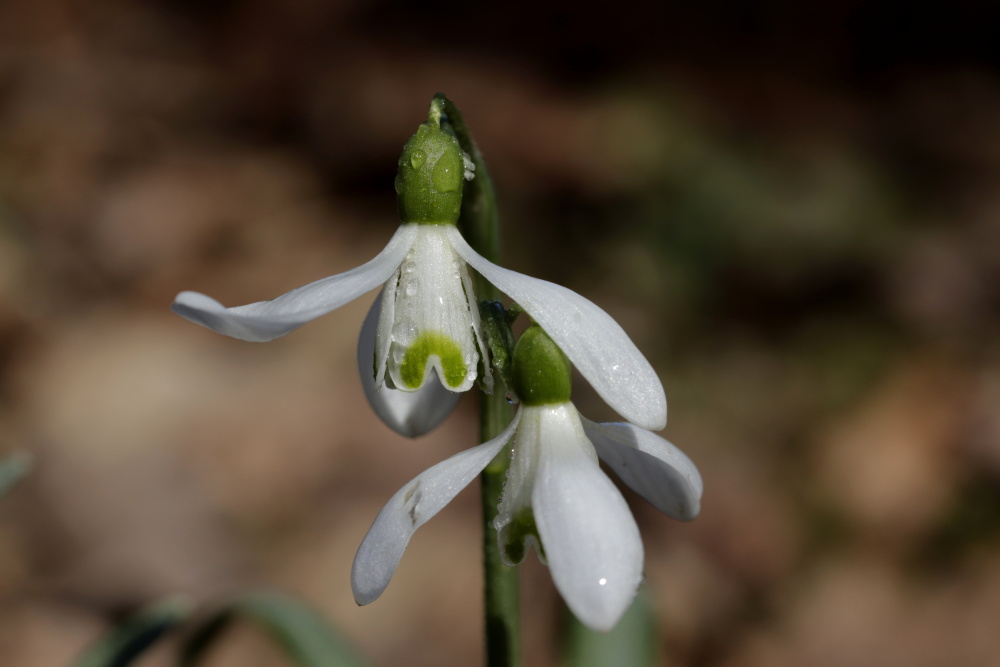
(794, 210)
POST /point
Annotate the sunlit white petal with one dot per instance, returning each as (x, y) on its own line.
(660, 472)
(592, 340)
(267, 320)
(409, 413)
(410, 508)
(590, 538)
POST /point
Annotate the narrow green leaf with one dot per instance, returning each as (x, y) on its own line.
(302, 633)
(12, 469)
(631, 643)
(499, 337)
(479, 223)
(480, 220)
(132, 638)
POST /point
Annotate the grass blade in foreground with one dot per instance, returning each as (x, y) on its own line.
(127, 642)
(302, 633)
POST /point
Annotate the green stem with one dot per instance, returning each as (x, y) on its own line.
(480, 225)
(500, 595)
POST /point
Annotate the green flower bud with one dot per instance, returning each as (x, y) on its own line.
(431, 174)
(542, 374)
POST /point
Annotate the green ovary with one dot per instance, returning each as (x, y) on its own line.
(430, 344)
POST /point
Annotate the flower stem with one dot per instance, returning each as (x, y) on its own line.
(480, 225)
(501, 595)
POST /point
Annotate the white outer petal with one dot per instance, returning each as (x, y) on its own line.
(657, 470)
(592, 340)
(267, 320)
(410, 508)
(590, 539)
(409, 413)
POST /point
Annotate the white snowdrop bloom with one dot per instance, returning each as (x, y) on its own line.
(427, 323)
(556, 496)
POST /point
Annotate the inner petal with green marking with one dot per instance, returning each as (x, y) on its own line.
(517, 535)
(430, 319)
(452, 368)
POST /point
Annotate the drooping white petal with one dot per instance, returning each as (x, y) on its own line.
(434, 323)
(657, 470)
(410, 508)
(267, 320)
(592, 340)
(590, 538)
(409, 413)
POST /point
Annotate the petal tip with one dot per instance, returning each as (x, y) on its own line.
(655, 416)
(364, 597)
(603, 614)
(648, 422)
(369, 578)
(187, 300)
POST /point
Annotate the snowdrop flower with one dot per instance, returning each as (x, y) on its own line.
(424, 340)
(556, 496)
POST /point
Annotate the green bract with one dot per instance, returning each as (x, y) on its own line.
(542, 374)
(431, 174)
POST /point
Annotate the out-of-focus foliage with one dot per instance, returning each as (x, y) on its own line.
(12, 469)
(126, 643)
(304, 637)
(632, 642)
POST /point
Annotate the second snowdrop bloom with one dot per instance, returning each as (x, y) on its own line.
(556, 497)
(426, 336)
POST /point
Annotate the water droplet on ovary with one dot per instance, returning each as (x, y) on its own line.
(511, 398)
(444, 177)
(418, 158)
